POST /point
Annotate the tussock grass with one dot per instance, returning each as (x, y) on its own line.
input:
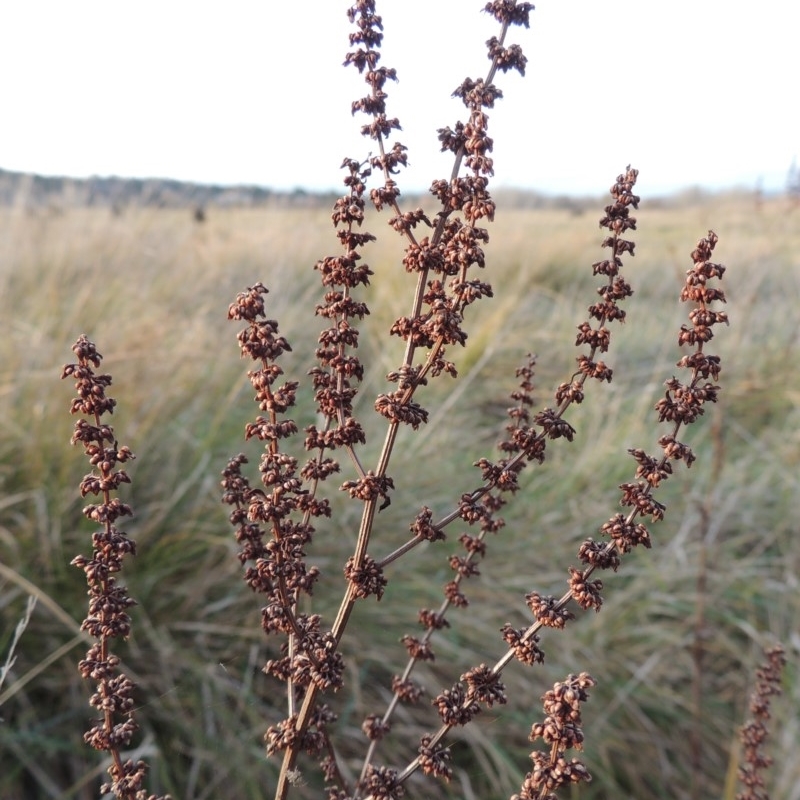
(153, 286)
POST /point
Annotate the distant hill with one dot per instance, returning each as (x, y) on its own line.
(38, 191)
(60, 193)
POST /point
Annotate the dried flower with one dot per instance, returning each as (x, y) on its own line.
(548, 611)
(456, 706)
(754, 733)
(561, 730)
(107, 618)
(434, 759)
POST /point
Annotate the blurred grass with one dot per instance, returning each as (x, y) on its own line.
(151, 288)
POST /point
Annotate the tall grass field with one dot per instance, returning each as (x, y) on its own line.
(673, 652)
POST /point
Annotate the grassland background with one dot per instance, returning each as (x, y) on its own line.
(151, 287)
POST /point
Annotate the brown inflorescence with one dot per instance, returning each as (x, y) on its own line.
(754, 733)
(273, 521)
(681, 405)
(434, 759)
(107, 618)
(561, 731)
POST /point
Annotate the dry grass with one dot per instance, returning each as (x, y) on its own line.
(153, 287)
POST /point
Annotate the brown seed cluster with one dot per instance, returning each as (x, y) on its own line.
(273, 522)
(755, 732)
(525, 647)
(681, 405)
(382, 783)
(561, 731)
(549, 612)
(107, 617)
(375, 728)
(618, 221)
(456, 706)
(434, 759)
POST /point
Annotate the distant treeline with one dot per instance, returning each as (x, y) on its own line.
(60, 193)
(39, 191)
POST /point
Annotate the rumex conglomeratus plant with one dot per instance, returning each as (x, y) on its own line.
(277, 519)
(107, 618)
(754, 732)
(274, 523)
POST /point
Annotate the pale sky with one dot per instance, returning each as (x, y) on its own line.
(691, 92)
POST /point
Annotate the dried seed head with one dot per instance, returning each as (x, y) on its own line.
(547, 611)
